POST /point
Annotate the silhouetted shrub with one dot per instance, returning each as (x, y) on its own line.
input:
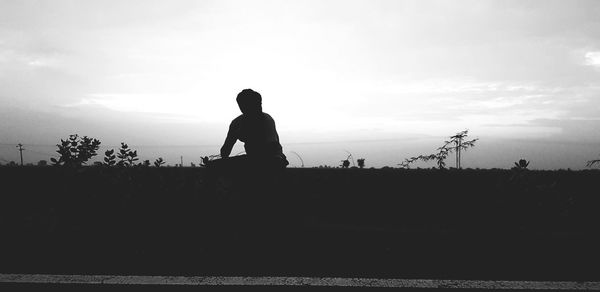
(158, 162)
(76, 151)
(521, 165)
(109, 157)
(361, 162)
(126, 156)
(345, 163)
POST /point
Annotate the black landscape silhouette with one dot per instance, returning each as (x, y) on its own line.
(391, 222)
(250, 215)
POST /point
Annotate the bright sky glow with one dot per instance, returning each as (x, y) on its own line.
(592, 59)
(328, 70)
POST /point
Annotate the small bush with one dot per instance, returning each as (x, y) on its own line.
(158, 162)
(361, 162)
(76, 151)
(521, 165)
(126, 156)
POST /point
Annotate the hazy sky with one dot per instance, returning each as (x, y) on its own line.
(382, 79)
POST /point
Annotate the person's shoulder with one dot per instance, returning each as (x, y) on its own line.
(236, 121)
(267, 116)
(238, 118)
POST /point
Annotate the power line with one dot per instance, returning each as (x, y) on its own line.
(41, 153)
(41, 145)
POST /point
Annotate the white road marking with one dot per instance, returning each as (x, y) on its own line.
(295, 281)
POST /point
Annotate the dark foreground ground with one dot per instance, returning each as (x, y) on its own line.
(488, 286)
(373, 223)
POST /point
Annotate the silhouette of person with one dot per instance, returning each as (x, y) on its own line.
(257, 130)
(257, 175)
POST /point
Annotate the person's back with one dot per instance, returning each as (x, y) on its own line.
(258, 132)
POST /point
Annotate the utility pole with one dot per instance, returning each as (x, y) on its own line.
(20, 146)
(181, 161)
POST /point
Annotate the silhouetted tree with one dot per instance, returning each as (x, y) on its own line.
(460, 145)
(455, 144)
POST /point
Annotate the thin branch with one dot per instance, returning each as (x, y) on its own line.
(298, 155)
(593, 162)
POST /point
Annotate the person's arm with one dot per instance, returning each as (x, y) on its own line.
(229, 142)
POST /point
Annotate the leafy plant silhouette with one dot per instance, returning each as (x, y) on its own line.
(76, 151)
(361, 162)
(126, 156)
(521, 165)
(109, 157)
(158, 162)
(346, 162)
(456, 144)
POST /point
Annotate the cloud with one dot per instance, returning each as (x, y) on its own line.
(43, 62)
(167, 107)
(573, 129)
(123, 102)
(592, 59)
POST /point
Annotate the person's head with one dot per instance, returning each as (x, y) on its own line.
(249, 101)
